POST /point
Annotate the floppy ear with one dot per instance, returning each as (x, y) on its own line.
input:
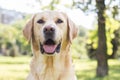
(27, 31)
(72, 30)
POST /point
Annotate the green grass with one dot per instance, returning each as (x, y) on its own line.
(86, 69)
(14, 68)
(18, 68)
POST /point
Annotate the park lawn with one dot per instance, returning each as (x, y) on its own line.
(14, 68)
(17, 69)
(86, 69)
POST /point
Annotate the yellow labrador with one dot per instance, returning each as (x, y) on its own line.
(50, 34)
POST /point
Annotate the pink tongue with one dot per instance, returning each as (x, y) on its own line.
(49, 48)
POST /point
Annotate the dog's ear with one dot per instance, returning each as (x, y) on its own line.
(72, 29)
(28, 29)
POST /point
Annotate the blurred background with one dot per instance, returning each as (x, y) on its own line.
(95, 52)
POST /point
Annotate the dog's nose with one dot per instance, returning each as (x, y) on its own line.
(49, 29)
(49, 32)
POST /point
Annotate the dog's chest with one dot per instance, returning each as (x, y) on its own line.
(49, 71)
(50, 74)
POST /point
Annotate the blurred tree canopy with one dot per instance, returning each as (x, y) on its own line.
(112, 26)
(12, 42)
(112, 12)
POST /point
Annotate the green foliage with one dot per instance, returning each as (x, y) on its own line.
(111, 26)
(12, 41)
(78, 48)
(92, 34)
(78, 45)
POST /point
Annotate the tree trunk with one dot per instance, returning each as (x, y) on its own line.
(101, 53)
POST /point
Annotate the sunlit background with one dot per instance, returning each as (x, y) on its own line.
(15, 51)
(34, 6)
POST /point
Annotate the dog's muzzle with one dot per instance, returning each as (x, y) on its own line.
(50, 47)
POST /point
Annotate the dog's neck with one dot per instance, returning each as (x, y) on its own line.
(51, 65)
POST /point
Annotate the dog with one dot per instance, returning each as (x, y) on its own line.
(50, 34)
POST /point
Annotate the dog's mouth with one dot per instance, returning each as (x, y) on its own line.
(50, 47)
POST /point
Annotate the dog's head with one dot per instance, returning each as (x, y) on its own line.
(50, 32)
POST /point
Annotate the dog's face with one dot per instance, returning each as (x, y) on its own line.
(51, 31)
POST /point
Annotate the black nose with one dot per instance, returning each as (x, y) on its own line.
(49, 29)
(49, 32)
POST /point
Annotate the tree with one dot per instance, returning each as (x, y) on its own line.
(88, 6)
(112, 34)
(101, 53)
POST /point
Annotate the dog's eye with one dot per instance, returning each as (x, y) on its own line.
(40, 21)
(59, 21)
